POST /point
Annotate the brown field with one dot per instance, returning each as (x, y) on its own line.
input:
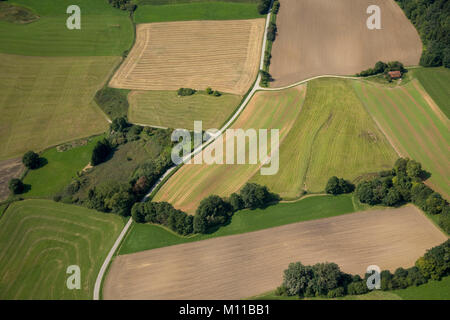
(245, 265)
(318, 37)
(9, 169)
(223, 55)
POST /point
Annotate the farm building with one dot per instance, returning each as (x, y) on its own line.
(395, 74)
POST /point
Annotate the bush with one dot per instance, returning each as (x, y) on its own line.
(209, 90)
(356, 288)
(16, 186)
(276, 7)
(281, 291)
(31, 160)
(336, 293)
(236, 202)
(216, 93)
(186, 92)
(444, 219)
(255, 196)
(212, 211)
(119, 125)
(337, 186)
(272, 31)
(264, 6)
(101, 152)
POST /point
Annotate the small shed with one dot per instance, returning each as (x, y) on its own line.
(395, 74)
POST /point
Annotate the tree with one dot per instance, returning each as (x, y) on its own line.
(436, 262)
(31, 160)
(338, 186)
(392, 198)
(119, 125)
(327, 276)
(444, 219)
(296, 278)
(264, 6)
(212, 211)
(254, 196)
(276, 7)
(101, 151)
(435, 204)
(16, 186)
(272, 31)
(414, 169)
(209, 90)
(236, 202)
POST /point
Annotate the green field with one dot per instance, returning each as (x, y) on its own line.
(61, 167)
(105, 31)
(333, 135)
(196, 11)
(39, 239)
(146, 236)
(47, 101)
(437, 83)
(433, 290)
(167, 109)
(414, 127)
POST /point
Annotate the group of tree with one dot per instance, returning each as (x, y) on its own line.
(264, 6)
(212, 211)
(383, 68)
(430, 17)
(265, 78)
(186, 92)
(272, 31)
(327, 280)
(164, 214)
(403, 184)
(212, 92)
(111, 197)
(123, 5)
(337, 186)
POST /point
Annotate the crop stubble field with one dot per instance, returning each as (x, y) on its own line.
(245, 265)
(415, 125)
(266, 110)
(223, 55)
(39, 239)
(318, 37)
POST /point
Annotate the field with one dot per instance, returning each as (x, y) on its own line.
(196, 11)
(240, 266)
(436, 82)
(167, 109)
(9, 169)
(318, 37)
(146, 236)
(266, 110)
(59, 169)
(415, 125)
(39, 239)
(171, 55)
(105, 31)
(333, 135)
(47, 101)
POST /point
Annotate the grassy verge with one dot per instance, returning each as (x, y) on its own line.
(59, 169)
(146, 236)
(39, 239)
(196, 11)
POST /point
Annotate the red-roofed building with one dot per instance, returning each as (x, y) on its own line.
(395, 74)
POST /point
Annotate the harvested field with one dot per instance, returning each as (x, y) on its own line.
(223, 55)
(45, 101)
(9, 169)
(332, 136)
(191, 183)
(245, 265)
(416, 126)
(317, 37)
(167, 109)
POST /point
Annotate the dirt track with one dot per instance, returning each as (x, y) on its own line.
(223, 55)
(317, 37)
(244, 265)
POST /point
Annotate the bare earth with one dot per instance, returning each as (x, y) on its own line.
(245, 265)
(223, 55)
(9, 169)
(330, 37)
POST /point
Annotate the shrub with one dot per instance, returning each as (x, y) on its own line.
(119, 125)
(101, 152)
(186, 92)
(272, 31)
(264, 6)
(209, 90)
(337, 186)
(16, 186)
(216, 93)
(281, 291)
(336, 293)
(356, 288)
(276, 7)
(31, 160)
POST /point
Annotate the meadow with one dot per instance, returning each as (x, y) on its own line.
(333, 135)
(105, 31)
(436, 82)
(47, 101)
(59, 170)
(415, 128)
(146, 236)
(167, 109)
(39, 239)
(193, 182)
(196, 11)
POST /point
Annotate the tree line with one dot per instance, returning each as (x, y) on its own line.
(327, 280)
(430, 17)
(383, 68)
